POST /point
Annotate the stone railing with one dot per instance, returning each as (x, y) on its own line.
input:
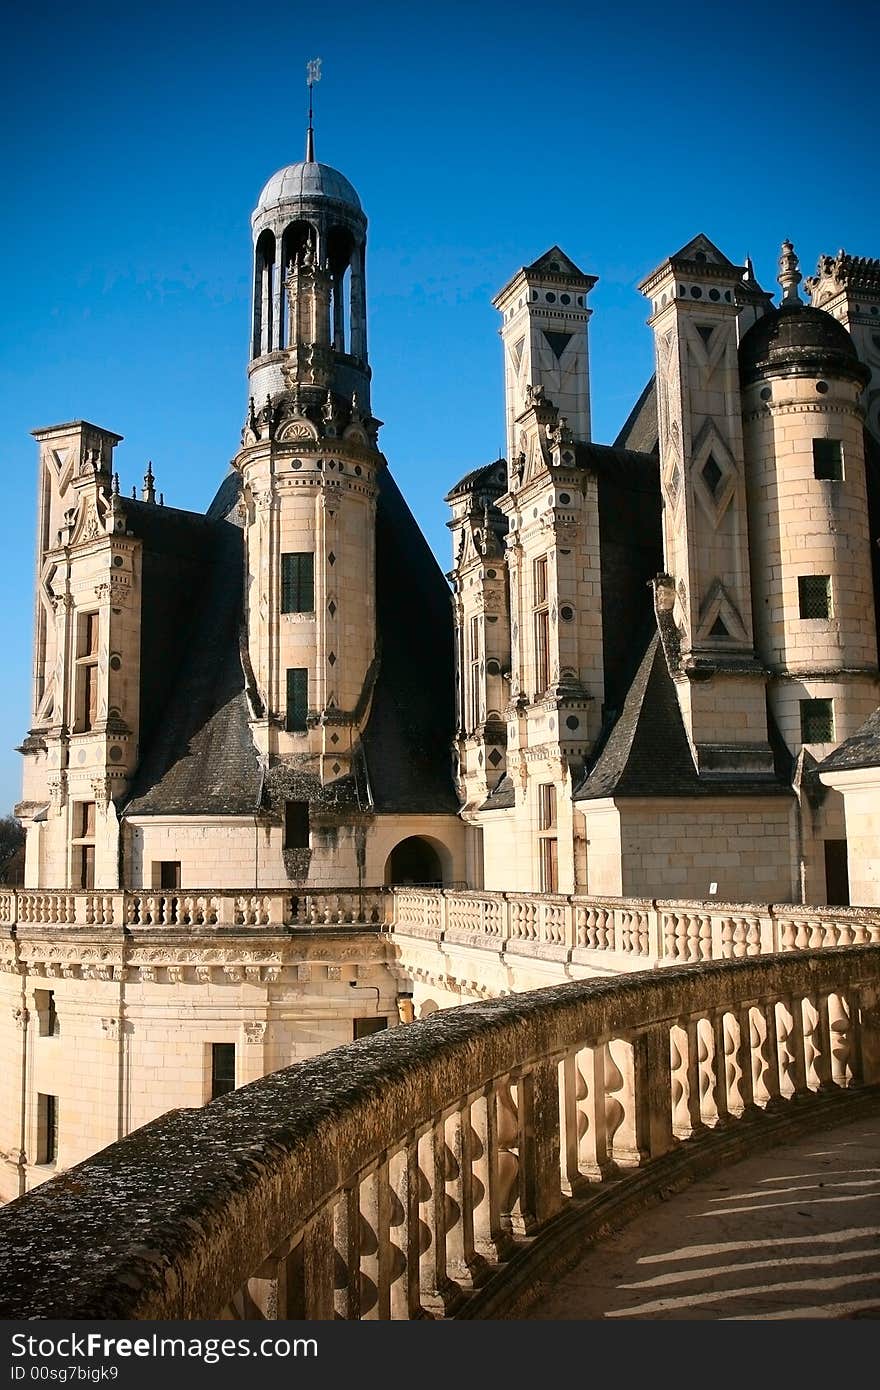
(645, 931)
(193, 907)
(404, 1175)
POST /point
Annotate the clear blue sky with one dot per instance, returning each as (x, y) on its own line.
(137, 139)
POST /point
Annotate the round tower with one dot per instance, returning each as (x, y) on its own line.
(310, 237)
(813, 600)
(309, 463)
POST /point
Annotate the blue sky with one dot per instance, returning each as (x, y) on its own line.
(137, 139)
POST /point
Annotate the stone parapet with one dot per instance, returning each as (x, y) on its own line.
(327, 1190)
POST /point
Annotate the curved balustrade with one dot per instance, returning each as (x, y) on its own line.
(397, 1176)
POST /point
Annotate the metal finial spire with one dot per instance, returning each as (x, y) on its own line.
(789, 276)
(313, 75)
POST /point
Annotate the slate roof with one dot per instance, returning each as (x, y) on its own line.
(501, 797)
(492, 477)
(640, 430)
(201, 758)
(647, 751)
(408, 739)
(862, 749)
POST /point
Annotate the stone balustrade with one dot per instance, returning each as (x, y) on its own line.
(645, 931)
(193, 907)
(404, 1175)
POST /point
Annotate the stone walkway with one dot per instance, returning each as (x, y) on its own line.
(791, 1233)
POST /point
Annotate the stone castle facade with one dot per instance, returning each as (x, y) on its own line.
(652, 671)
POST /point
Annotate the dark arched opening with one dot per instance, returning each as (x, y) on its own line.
(293, 243)
(414, 863)
(264, 294)
(340, 244)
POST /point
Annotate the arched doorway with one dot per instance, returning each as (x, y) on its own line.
(414, 863)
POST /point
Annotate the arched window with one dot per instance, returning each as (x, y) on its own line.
(264, 294)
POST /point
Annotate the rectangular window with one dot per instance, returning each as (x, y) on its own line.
(85, 711)
(836, 873)
(86, 864)
(542, 651)
(547, 806)
(47, 1129)
(297, 699)
(475, 682)
(169, 874)
(298, 582)
(549, 865)
(814, 595)
(817, 721)
(828, 460)
(222, 1069)
(44, 1003)
(83, 854)
(541, 623)
(540, 578)
(296, 825)
(364, 1027)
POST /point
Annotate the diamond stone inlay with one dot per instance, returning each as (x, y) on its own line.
(331, 608)
(331, 558)
(332, 658)
(712, 474)
(494, 757)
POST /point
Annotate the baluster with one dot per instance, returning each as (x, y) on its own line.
(432, 1238)
(621, 1105)
(373, 1207)
(694, 1110)
(507, 1120)
(744, 1057)
(719, 1093)
(347, 1264)
(707, 1071)
(449, 1144)
(839, 1024)
(822, 1060)
(400, 1176)
(678, 1051)
(490, 1239)
(769, 1054)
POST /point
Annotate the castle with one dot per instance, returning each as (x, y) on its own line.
(653, 671)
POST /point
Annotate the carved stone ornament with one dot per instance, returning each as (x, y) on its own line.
(255, 1032)
(110, 1028)
(20, 1017)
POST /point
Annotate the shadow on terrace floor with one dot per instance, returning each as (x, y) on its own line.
(791, 1233)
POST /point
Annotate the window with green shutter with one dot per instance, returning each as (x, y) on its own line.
(298, 582)
(297, 699)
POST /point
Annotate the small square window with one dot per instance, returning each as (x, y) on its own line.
(817, 721)
(814, 595)
(828, 460)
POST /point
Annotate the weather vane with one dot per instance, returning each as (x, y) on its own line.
(313, 75)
